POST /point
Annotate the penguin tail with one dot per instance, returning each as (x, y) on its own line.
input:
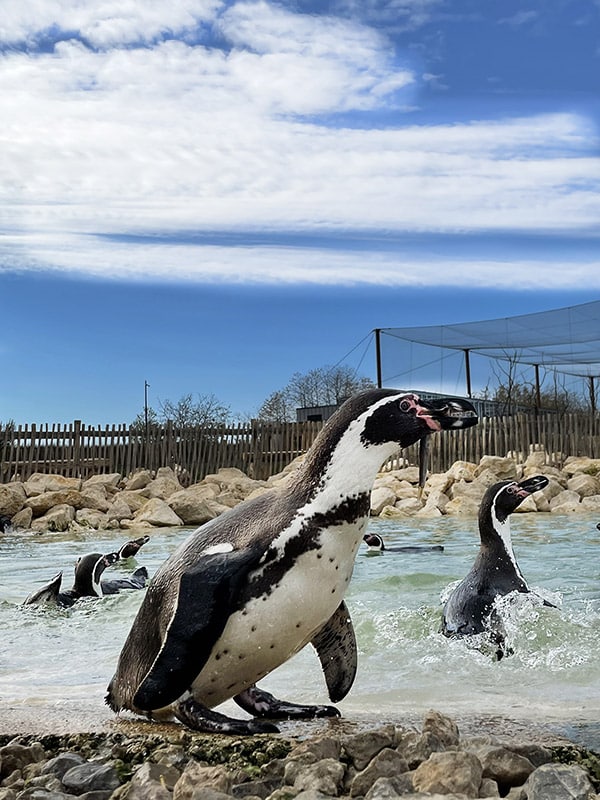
(110, 698)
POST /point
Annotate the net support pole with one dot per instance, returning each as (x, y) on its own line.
(592, 390)
(468, 371)
(538, 396)
(378, 355)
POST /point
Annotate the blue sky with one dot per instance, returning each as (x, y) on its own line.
(211, 196)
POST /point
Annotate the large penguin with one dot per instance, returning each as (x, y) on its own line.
(470, 607)
(249, 589)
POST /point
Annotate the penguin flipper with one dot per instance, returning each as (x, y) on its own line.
(335, 644)
(46, 594)
(136, 581)
(207, 592)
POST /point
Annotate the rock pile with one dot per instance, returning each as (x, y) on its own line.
(146, 500)
(379, 764)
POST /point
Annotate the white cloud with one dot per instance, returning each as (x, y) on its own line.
(103, 23)
(520, 18)
(179, 137)
(144, 260)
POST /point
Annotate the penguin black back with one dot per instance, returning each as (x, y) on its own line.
(468, 610)
(255, 585)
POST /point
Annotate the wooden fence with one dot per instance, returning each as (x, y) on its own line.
(263, 449)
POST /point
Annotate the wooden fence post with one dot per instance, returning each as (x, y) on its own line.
(76, 467)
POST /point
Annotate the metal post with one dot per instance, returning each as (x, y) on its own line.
(468, 372)
(146, 387)
(538, 396)
(592, 390)
(378, 355)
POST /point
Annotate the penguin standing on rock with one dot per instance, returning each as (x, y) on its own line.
(249, 589)
(469, 609)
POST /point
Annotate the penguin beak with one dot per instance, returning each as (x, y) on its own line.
(531, 485)
(446, 413)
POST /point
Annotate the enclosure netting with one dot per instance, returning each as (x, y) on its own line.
(564, 340)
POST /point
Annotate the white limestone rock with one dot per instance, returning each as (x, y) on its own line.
(119, 510)
(138, 480)
(110, 482)
(591, 504)
(91, 518)
(22, 519)
(57, 519)
(504, 468)
(40, 482)
(461, 471)
(536, 460)
(135, 499)
(565, 503)
(463, 506)
(381, 497)
(410, 474)
(474, 490)
(12, 497)
(575, 464)
(157, 513)
(584, 485)
(193, 506)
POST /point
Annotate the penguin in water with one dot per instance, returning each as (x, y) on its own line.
(376, 544)
(249, 589)
(131, 548)
(88, 579)
(5, 523)
(469, 608)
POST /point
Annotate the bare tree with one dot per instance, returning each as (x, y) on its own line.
(205, 410)
(318, 387)
(276, 408)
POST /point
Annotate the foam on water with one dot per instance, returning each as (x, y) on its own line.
(64, 658)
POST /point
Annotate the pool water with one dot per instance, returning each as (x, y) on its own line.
(60, 661)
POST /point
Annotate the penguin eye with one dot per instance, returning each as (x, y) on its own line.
(511, 489)
(405, 405)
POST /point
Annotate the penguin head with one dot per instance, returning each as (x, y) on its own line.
(131, 547)
(374, 541)
(504, 497)
(88, 571)
(405, 418)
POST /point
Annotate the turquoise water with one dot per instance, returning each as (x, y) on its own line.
(58, 662)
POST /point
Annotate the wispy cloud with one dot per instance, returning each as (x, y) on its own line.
(523, 17)
(102, 23)
(101, 137)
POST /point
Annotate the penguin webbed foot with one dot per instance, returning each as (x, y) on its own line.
(262, 704)
(200, 718)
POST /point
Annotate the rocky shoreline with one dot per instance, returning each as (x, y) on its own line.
(145, 500)
(433, 760)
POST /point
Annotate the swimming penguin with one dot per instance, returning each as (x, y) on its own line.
(88, 580)
(88, 572)
(5, 523)
(469, 609)
(137, 580)
(252, 587)
(376, 544)
(132, 547)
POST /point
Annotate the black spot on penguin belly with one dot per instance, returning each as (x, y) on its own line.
(349, 511)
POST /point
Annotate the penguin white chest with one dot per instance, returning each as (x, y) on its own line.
(274, 626)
